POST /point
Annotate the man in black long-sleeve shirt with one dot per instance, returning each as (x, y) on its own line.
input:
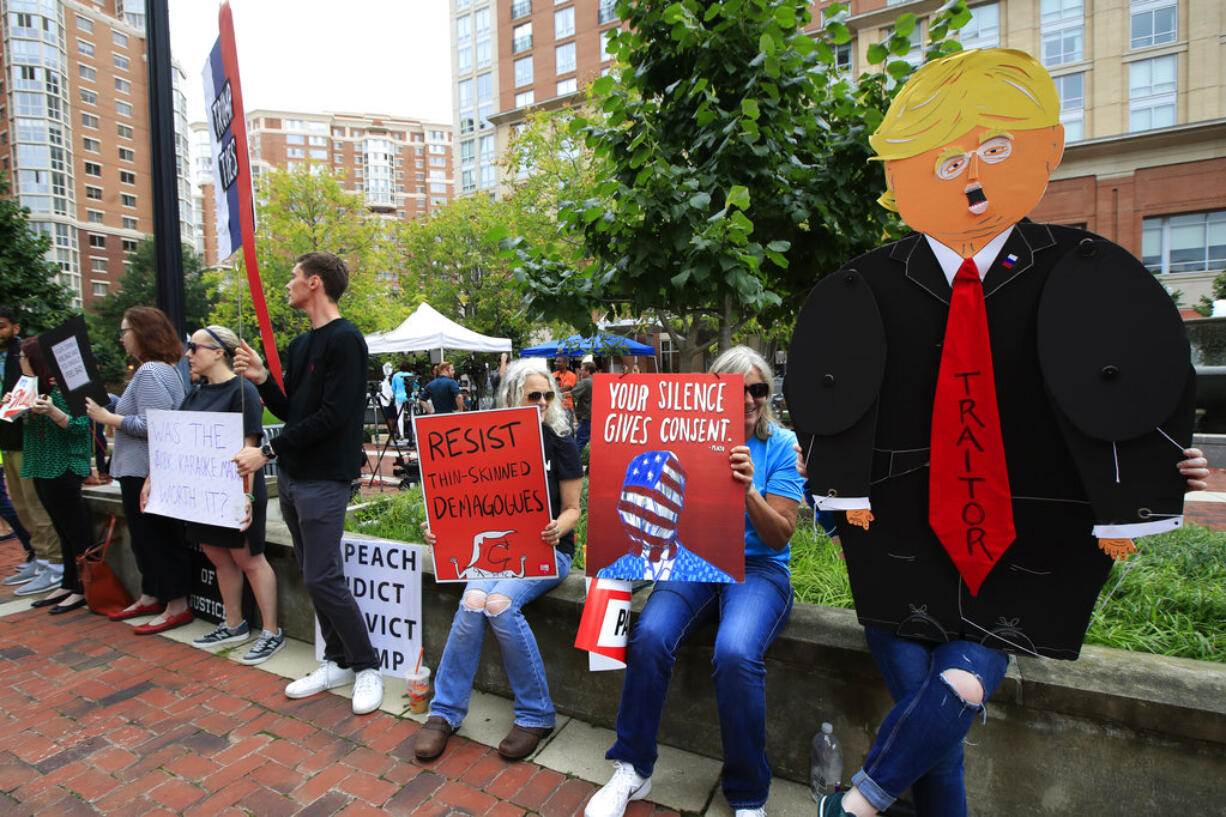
(319, 452)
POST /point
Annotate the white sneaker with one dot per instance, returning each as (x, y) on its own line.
(751, 812)
(328, 675)
(611, 799)
(367, 691)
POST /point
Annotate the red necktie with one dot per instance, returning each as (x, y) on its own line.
(969, 504)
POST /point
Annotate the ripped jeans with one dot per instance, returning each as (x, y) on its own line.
(453, 683)
(919, 744)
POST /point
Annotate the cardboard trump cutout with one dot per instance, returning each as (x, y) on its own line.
(997, 405)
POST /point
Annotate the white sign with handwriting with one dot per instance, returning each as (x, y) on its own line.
(191, 469)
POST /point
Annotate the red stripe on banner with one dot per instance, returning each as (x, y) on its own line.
(647, 516)
(246, 207)
(653, 495)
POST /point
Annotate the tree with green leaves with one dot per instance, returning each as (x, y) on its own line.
(28, 281)
(138, 287)
(300, 211)
(732, 156)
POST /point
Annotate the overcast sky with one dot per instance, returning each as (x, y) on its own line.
(353, 56)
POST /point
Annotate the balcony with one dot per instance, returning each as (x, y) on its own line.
(521, 44)
(521, 8)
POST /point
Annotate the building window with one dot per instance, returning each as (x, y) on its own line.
(89, 97)
(128, 245)
(605, 38)
(127, 199)
(564, 23)
(568, 86)
(481, 22)
(123, 108)
(92, 192)
(607, 12)
(97, 241)
(523, 71)
(122, 85)
(93, 169)
(91, 144)
(520, 8)
(97, 265)
(1153, 22)
(524, 98)
(127, 155)
(119, 38)
(125, 131)
(295, 153)
(438, 187)
(295, 139)
(93, 216)
(521, 38)
(100, 288)
(85, 48)
(485, 104)
(464, 44)
(564, 59)
(86, 72)
(130, 223)
(1151, 93)
(120, 61)
(85, 24)
(843, 58)
(1193, 242)
(1062, 31)
(983, 30)
(1071, 88)
(127, 177)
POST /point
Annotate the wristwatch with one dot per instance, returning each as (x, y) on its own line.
(266, 450)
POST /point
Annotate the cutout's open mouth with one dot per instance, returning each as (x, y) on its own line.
(976, 201)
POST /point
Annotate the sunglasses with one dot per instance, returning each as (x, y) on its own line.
(757, 390)
(535, 396)
(192, 346)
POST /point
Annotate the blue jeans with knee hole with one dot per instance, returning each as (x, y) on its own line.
(453, 684)
(750, 614)
(919, 744)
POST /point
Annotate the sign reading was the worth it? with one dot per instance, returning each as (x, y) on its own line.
(192, 475)
(487, 498)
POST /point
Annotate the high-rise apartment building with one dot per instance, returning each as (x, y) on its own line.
(74, 133)
(1142, 86)
(401, 166)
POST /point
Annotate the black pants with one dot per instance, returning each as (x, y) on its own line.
(61, 497)
(158, 545)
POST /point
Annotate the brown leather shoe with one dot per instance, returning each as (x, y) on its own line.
(431, 738)
(521, 741)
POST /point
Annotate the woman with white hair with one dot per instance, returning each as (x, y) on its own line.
(500, 602)
(750, 614)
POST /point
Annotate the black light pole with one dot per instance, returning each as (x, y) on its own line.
(168, 252)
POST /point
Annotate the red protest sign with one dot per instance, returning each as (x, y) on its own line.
(662, 503)
(487, 499)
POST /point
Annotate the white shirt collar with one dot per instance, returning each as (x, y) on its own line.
(984, 259)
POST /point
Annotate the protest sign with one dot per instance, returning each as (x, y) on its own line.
(604, 629)
(487, 498)
(25, 390)
(192, 475)
(385, 579)
(67, 352)
(662, 501)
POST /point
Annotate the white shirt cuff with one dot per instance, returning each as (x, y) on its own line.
(1132, 531)
(842, 503)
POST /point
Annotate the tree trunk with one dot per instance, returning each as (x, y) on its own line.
(725, 325)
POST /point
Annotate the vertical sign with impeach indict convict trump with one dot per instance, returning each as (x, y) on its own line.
(487, 498)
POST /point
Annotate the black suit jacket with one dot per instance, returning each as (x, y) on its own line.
(1038, 597)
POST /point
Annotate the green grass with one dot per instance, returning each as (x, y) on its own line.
(1171, 602)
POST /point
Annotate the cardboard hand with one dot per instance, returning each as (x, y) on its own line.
(860, 517)
(1118, 549)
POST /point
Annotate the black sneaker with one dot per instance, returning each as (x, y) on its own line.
(224, 635)
(267, 644)
(831, 805)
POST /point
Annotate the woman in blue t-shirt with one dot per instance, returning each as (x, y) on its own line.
(750, 615)
(500, 602)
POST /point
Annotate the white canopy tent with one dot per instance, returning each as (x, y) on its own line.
(428, 329)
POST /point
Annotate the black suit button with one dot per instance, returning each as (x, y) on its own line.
(1086, 247)
(828, 379)
(850, 278)
(1110, 372)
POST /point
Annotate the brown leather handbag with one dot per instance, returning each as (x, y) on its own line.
(103, 590)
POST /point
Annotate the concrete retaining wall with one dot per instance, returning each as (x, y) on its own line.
(1114, 733)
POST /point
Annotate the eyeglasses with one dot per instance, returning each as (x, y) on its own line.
(535, 396)
(757, 390)
(192, 346)
(994, 150)
(123, 331)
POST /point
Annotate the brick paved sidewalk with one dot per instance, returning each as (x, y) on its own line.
(96, 720)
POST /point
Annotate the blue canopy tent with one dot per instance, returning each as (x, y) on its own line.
(601, 344)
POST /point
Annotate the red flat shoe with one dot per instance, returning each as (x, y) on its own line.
(143, 610)
(169, 624)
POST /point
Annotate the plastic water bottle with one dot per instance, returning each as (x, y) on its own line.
(825, 763)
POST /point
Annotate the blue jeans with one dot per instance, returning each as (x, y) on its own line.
(9, 514)
(751, 614)
(453, 684)
(919, 744)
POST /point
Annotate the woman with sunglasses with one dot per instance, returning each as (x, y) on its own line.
(749, 614)
(500, 602)
(56, 450)
(157, 541)
(235, 553)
